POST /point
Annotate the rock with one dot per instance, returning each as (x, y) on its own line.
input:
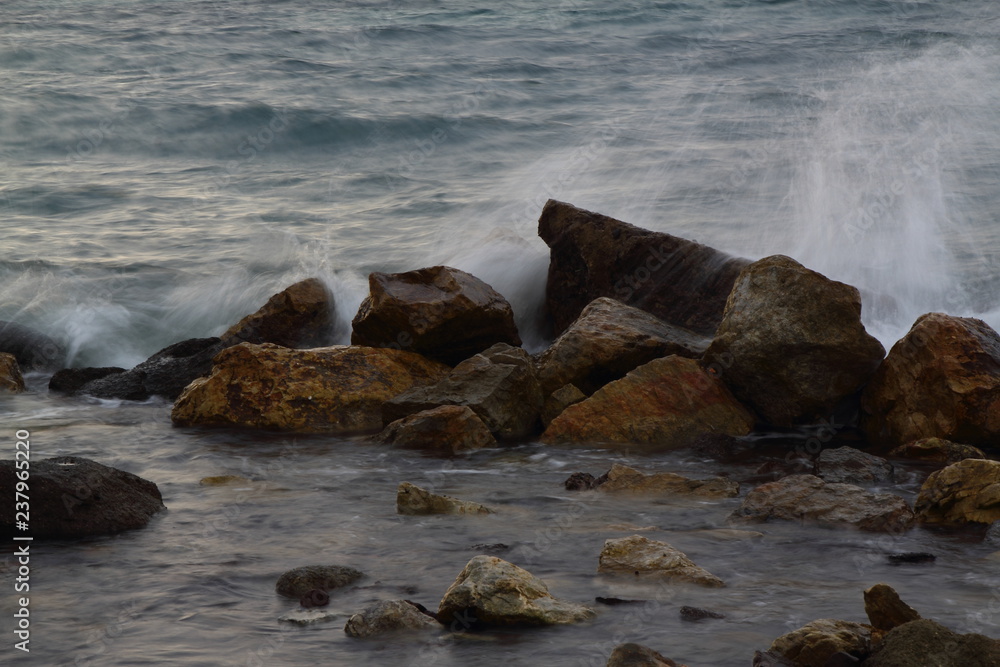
(942, 379)
(315, 598)
(815, 643)
(444, 430)
(791, 344)
(771, 659)
(499, 384)
(558, 401)
(492, 592)
(967, 491)
(413, 500)
(910, 558)
(32, 349)
(72, 380)
(607, 341)
(924, 642)
(390, 616)
(661, 405)
(636, 655)
(74, 497)
(993, 534)
(302, 580)
(937, 450)
(884, 608)
(591, 255)
(808, 498)
(696, 614)
(847, 465)
(642, 557)
(327, 389)
(307, 616)
(11, 380)
(624, 478)
(300, 316)
(440, 312)
(584, 481)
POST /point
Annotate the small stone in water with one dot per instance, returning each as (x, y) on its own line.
(912, 557)
(582, 481)
(615, 601)
(315, 598)
(696, 614)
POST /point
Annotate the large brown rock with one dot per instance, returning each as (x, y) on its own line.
(445, 430)
(327, 389)
(964, 492)
(791, 344)
(607, 341)
(499, 384)
(884, 608)
(301, 315)
(809, 498)
(924, 642)
(638, 556)
(662, 405)
(624, 478)
(942, 379)
(937, 450)
(440, 312)
(11, 380)
(815, 643)
(591, 255)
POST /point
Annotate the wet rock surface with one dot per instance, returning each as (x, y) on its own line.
(302, 581)
(414, 501)
(964, 492)
(925, 642)
(445, 430)
(622, 478)
(391, 616)
(937, 450)
(11, 380)
(32, 349)
(885, 609)
(299, 316)
(817, 642)
(846, 465)
(639, 556)
(636, 655)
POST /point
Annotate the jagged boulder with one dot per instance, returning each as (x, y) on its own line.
(885, 610)
(791, 344)
(11, 380)
(964, 492)
(937, 450)
(327, 389)
(624, 478)
(942, 379)
(300, 316)
(815, 643)
(440, 312)
(662, 405)
(639, 556)
(445, 430)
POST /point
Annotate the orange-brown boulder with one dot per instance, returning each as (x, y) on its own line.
(300, 316)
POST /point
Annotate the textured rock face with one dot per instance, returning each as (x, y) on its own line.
(808, 498)
(493, 592)
(964, 492)
(607, 341)
(846, 465)
(74, 497)
(624, 478)
(440, 312)
(925, 642)
(641, 557)
(937, 450)
(791, 344)
(636, 655)
(413, 500)
(559, 400)
(499, 384)
(664, 404)
(32, 349)
(302, 580)
(940, 380)
(445, 430)
(330, 389)
(11, 380)
(300, 316)
(390, 616)
(591, 255)
(885, 610)
(816, 642)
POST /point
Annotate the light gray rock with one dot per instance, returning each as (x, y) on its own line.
(642, 557)
(390, 616)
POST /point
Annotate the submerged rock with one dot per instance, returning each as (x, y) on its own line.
(445, 430)
(591, 255)
(964, 492)
(924, 642)
(299, 316)
(696, 614)
(791, 344)
(942, 379)
(642, 557)
(847, 465)
(492, 592)
(815, 643)
(390, 616)
(11, 380)
(302, 580)
(73, 380)
(413, 500)
(32, 349)
(662, 405)
(440, 312)
(307, 616)
(637, 655)
(809, 498)
(884, 608)
(74, 497)
(937, 450)
(624, 478)
(327, 389)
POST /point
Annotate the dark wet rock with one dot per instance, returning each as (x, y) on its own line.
(323, 390)
(583, 481)
(885, 609)
(771, 659)
(791, 344)
(559, 400)
(642, 557)
(492, 592)
(11, 380)
(72, 380)
(942, 379)
(775, 470)
(299, 316)
(661, 405)
(446, 430)
(964, 492)
(607, 341)
(937, 450)
(924, 642)
(718, 446)
(993, 534)
(842, 659)
(390, 616)
(696, 614)
(817, 642)
(591, 255)
(626, 479)
(636, 655)
(499, 384)
(414, 501)
(911, 557)
(297, 583)
(315, 598)
(440, 312)
(847, 465)
(74, 497)
(612, 602)
(808, 498)
(32, 349)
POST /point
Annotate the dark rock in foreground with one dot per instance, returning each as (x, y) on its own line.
(817, 642)
(297, 583)
(74, 497)
(924, 642)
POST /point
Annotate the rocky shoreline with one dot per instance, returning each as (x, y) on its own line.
(661, 344)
